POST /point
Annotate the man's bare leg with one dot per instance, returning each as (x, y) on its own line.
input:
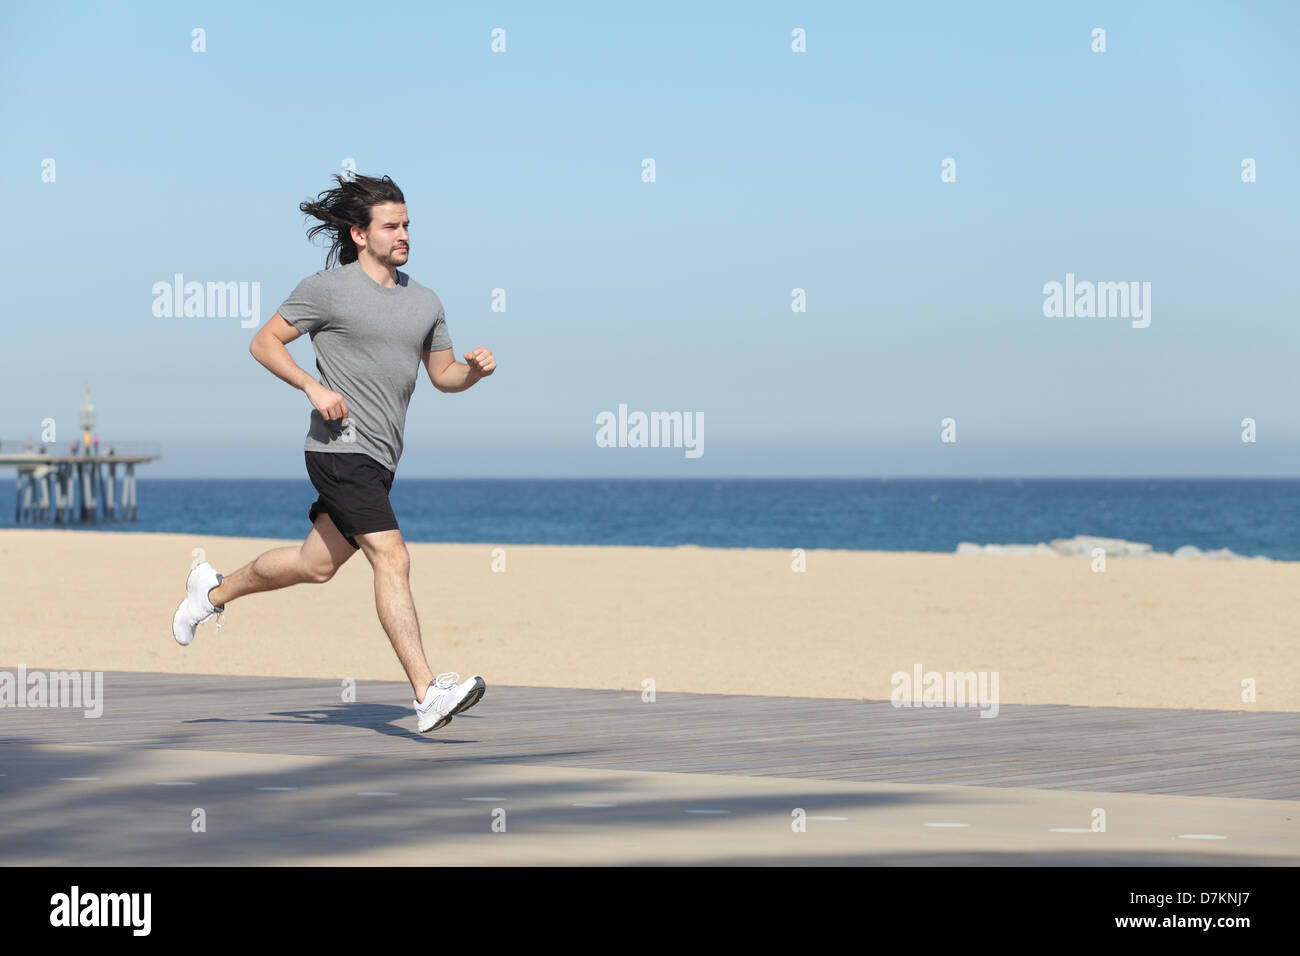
(388, 556)
(314, 561)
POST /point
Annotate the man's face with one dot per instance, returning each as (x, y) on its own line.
(387, 239)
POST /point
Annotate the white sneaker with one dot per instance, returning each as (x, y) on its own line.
(196, 608)
(445, 698)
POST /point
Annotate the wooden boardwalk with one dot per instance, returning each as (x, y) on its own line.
(1118, 750)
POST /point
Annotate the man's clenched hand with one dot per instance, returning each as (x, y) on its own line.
(480, 362)
(330, 404)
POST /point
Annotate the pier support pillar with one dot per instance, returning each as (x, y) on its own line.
(130, 477)
(43, 513)
(66, 493)
(58, 493)
(110, 503)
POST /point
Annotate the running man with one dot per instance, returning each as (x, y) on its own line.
(371, 327)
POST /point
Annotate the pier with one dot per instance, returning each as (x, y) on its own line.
(67, 488)
(81, 484)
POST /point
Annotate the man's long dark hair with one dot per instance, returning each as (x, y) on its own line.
(345, 206)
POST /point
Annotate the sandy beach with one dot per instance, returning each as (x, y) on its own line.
(1182, 634)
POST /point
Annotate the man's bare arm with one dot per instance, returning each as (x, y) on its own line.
(268, 347)
(448, 375)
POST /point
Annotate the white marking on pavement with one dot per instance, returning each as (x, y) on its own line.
(1201, 836)
(945, 824)
(1069, 830)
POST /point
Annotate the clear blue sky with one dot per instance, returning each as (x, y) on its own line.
(775, 170)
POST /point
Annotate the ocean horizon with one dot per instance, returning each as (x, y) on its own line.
(1248, 516)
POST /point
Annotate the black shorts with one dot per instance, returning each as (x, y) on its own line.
(353, 492)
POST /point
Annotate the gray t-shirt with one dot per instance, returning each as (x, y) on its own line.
(369, 341)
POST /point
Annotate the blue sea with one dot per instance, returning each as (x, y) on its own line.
(1249, 516)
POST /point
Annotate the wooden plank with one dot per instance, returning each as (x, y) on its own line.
(1109, 749)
